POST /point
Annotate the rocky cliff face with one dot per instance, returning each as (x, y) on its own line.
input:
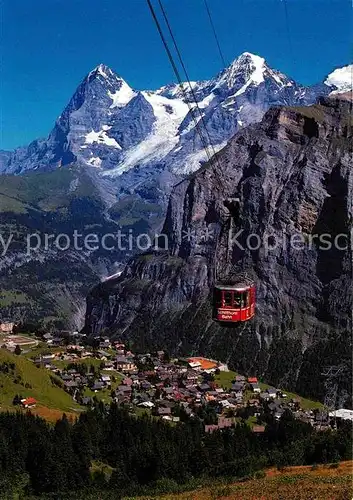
(293, 176)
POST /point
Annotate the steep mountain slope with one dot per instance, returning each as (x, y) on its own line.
(293, 176)
(42, 278)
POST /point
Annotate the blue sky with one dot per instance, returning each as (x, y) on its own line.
(48, 46)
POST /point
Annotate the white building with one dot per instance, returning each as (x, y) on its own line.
(342, 414)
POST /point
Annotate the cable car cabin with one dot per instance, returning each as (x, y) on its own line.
(234, 303)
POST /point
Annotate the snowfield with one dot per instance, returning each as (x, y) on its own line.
(163, 138)
(342, 78)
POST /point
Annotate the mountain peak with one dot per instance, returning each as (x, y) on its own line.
(341, 78)
(102, 70)
(249, 62)
(249, 55)
(247, 67)
(118, 90)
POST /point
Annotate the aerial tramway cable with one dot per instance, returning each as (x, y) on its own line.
(177, 74)
(186, 76)
(206, 143)
(242, 297)
(198, 108)
(213, 158)
(286, 15)
(215, 33)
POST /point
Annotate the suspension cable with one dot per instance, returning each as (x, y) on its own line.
(176, 71)
(188, 79)
(286, 15)
(186, 74)
(215, 33)
(177, 74)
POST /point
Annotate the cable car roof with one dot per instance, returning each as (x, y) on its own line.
(238, 287)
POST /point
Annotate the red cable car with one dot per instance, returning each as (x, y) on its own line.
(234, 303)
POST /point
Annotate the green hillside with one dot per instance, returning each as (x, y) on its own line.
(45, 191)
(20, 376)
(225, 379)
(52, 203)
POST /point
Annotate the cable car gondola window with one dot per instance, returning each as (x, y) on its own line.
(237, 300)
(245, 299)
(227, 298)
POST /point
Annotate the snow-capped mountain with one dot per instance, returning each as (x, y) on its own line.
(143, 141)
(341, 79)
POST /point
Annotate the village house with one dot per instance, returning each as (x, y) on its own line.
(258, 429)
(192, 376)
(125, 364)
(252, 380)
(103, 355)
(146, 404)
(70, 384)
(56, 342)
(98, 386)
(7, 327)
(224, 422)
(255, 388)
(254, 402)
(164, 411)
(238, 387)
(28, 402)
(272, 392)
(342, 414)
(104, 344)
(264, 396)
(195, 365)
(124, 392)
(106, 380)
(211, 428)
(238, 396)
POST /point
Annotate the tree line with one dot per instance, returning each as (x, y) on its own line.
(38, 458)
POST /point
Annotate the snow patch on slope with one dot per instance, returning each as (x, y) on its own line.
(256, 77)
(101, 138)
(95, 161)
(101, 71)
(342, 78)
(195, 160)
(164, 137)
(122, 96)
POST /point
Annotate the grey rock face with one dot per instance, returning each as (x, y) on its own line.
(293, 175)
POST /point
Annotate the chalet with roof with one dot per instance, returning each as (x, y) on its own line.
(28, 402)
(255, 388)
(125, 364)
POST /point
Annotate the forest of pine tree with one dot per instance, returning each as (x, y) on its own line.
(55, 461)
